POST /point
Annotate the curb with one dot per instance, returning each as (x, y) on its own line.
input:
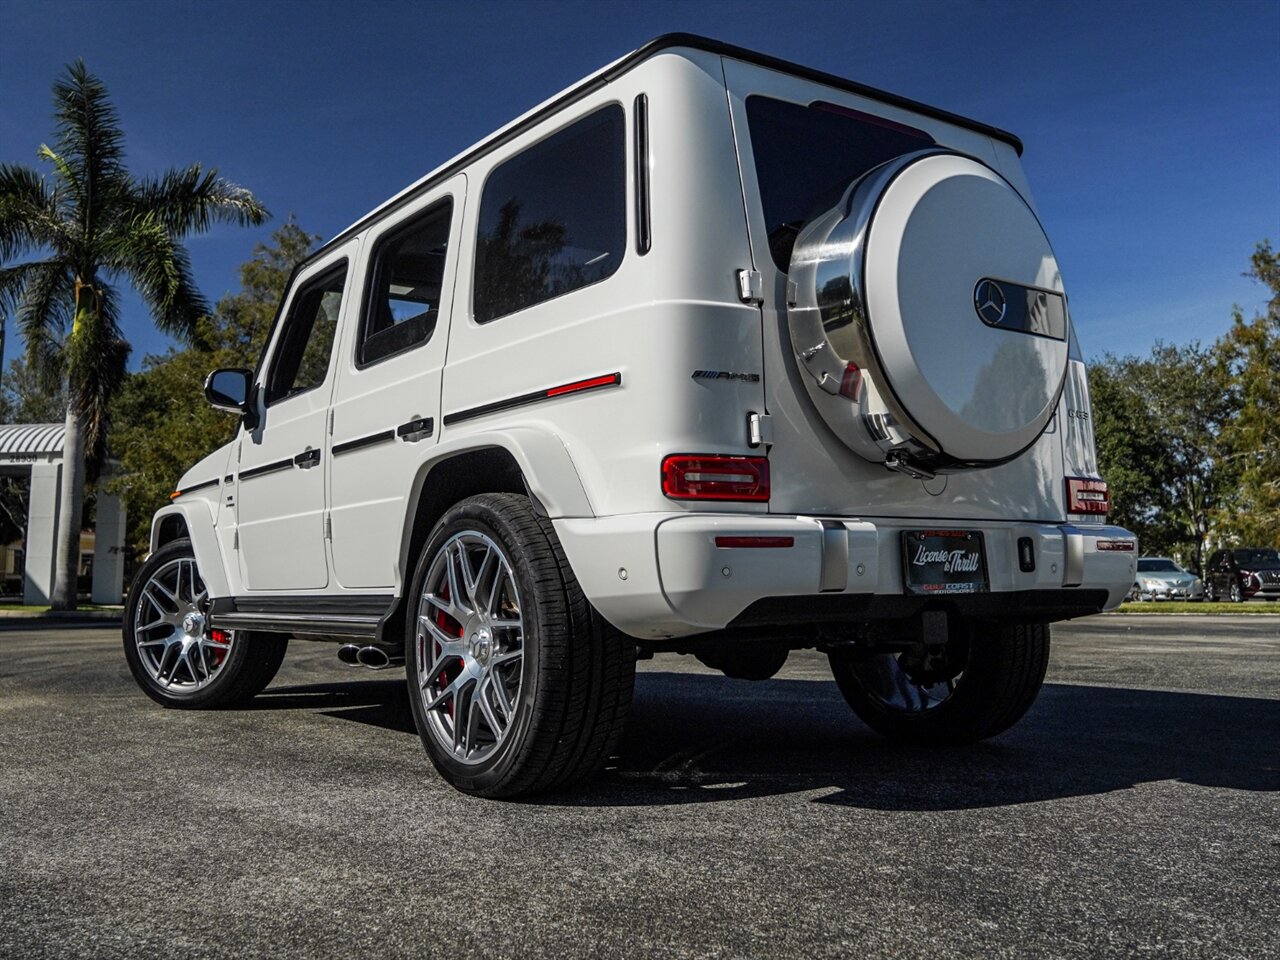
(64, 616)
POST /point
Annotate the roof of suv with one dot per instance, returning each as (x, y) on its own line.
(622, 66)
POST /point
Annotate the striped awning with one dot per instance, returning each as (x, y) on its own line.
(21, 440)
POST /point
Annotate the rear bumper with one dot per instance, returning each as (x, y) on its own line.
(657, 576)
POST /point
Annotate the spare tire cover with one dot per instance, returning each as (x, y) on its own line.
(928, 310)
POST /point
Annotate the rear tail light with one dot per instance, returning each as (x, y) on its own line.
(710, 477)
(1087, 496)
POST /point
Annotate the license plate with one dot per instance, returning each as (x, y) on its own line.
(936, 562)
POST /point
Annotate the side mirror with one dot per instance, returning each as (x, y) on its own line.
(228, 389)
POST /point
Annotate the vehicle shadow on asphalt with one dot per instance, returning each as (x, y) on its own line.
(695, 738)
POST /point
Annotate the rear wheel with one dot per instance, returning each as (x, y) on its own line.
(517, 685)
(980, 686)
(174, 655)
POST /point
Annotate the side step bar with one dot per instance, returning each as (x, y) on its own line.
(359, 617)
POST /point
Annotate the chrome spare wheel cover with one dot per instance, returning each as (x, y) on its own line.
(470, 647)
(170, 626)
(928, 315)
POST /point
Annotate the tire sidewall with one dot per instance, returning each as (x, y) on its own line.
(480, 777)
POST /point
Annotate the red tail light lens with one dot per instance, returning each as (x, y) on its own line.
(709, 477)
(1087, 496)
(850, 382)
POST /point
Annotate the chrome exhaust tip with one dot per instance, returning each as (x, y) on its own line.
(379, 658)
(349, 654)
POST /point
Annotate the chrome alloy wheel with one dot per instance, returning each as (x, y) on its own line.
(170, 627)
(470, 647)
(886, 679)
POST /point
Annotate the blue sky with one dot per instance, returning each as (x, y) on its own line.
(1152, 130)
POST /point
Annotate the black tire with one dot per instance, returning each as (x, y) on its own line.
(1236, 595)
(1003, 669)
(244, 672)
(1210, 593)
(574, 694)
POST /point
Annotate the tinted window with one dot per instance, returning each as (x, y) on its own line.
(1158, 566)
(1254, 559)
(553, 218)
(807, 156)
(403, 303)
(301, 362)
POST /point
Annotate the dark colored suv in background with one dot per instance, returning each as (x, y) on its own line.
(1243, 573)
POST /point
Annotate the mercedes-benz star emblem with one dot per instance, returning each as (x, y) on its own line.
(988, 300)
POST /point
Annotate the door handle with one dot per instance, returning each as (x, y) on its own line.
(415, 430)
(307, 459)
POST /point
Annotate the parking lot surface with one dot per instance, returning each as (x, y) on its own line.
(1135, 811)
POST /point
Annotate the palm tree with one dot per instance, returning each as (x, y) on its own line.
(87, 226)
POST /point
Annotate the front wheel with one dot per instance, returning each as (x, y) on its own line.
(987, 678)
(174, 655)
(517, 685)
(1236, 595)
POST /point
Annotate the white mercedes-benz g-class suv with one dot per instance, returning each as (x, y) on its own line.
(711, 353)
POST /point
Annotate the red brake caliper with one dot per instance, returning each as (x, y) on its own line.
(443, 621)
(219, 636)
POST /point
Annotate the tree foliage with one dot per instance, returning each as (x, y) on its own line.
(86, 226)
(1189, 437)
(1251, 353)
(163, 424)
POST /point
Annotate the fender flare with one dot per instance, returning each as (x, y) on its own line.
(197, 516)
(544, 461)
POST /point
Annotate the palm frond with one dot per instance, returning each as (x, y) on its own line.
(28, 212)
(160, 269)
(66, 180)
(90, 141)
(193, 199)
(43, 310)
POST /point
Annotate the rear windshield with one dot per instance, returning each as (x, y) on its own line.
(1256, 558)
(1158, 566)
(806, 156)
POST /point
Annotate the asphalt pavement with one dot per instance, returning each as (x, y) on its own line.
(1134, 812)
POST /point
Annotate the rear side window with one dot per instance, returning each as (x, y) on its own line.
(403, 302)
(553, 218)
(301, 362)
(807, 155)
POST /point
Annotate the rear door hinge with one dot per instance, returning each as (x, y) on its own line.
(328, 527)
(750, 286)
(235, 539)
(759, 430)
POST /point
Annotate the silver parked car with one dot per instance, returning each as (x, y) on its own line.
(1159, 578)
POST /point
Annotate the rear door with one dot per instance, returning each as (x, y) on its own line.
(800, 145)
(386, 410)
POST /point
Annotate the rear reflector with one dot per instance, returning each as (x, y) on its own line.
(733, 543)
(1087, 496)
(710, 477)
(608, 380)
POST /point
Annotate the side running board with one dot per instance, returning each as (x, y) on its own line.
(359, 616)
